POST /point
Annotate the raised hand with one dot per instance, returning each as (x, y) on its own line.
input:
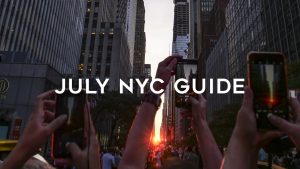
(165, 70)
(88, 157)
(291, 129)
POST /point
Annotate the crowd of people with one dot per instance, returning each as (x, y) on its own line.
(162, 156)
(241, 153)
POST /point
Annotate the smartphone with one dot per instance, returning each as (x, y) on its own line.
(279, 145)
(185, 69)
(267, 77)
(72, 131)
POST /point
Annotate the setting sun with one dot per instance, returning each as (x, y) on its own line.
(156, 140)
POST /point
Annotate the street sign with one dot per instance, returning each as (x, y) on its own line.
(4, 85)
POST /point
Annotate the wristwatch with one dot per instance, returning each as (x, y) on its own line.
(153, 99)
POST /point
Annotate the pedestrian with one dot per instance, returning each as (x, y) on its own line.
(191, 156)
(108, 160)
(118, 157)
(262, 155)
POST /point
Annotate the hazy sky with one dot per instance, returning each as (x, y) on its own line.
(159, 34)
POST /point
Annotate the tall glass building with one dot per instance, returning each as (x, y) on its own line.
(281, 21)
(181, 28)
(140, 41)
(245, 33)
(50, 31)
(106, 50)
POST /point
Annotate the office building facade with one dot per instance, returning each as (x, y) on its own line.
(140, 41)
(217, 68)
(49, 31)
(25, 82)
(181, 28)
(105, 51)
(131, 26)
(281, 22)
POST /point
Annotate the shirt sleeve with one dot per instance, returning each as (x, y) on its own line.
(113, 161)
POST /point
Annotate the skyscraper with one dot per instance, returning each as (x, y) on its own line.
(131, 26)
(261, 26)
(181, 28)
(49, 31)
(279, 37)
(39, 43)
(140, 41)
(105, 51)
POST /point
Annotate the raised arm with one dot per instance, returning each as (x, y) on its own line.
(210, 153)
(139, 135)
(245, 141)
(291, 129)
(39, 128)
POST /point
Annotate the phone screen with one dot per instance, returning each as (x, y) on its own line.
(269, 85)
(185, 69)
(72, 131)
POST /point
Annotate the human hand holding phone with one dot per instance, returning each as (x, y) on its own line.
(246, 140)
(199, 110)
(291, 129)
(39, 128)
(267, 77)
(209, 150)
(186, 69)
(89, 156)
(41, 123)
(165, 70)
(72, 105)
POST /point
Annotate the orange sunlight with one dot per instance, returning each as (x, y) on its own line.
(156, 140)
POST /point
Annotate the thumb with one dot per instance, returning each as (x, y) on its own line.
(173, 64)
(280, 123)
(73, 149)
(193, 101)
(55, 124)
(248, 98)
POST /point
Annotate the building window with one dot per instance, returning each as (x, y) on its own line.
(103, 25)
(107, 70)
(95, 15)
(111, 25)
(92, 42)
(99, 58)
(90, 60)
(108, 59)
(94, 23)
(109, 48)
(86, 23)
(96, 4)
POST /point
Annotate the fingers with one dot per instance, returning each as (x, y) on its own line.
(55, 124)
(49, 103)
(73, 149)
(280, 123)
(46, 95)
(169, 59)
(42, 104)
(88, 122)
(248, 99)
(296, 109)
(201, 98)
(172, 65)
(193, 101)
(49, 116)
(265, 138)
(186, 114)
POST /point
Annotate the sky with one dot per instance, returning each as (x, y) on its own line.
(159, 34)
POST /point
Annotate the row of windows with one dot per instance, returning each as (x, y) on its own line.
(26, 24)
